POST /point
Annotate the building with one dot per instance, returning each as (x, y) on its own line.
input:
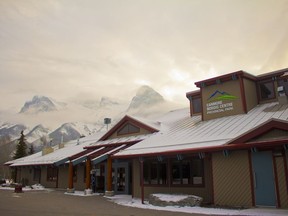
(229, 147)
(85, 163)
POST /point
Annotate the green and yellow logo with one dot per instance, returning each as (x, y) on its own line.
(218, 95)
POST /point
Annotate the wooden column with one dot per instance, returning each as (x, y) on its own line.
(88, 170)
(70, 178)
(109, 174)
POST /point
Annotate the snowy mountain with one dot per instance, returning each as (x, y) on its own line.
(84, 117)
(12, 130)
(145, 96)
(40, 104)
(36, 133)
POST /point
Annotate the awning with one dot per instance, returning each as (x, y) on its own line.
(104, 156)
(84, 157)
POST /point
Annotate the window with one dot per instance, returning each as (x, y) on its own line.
(284, 83)
(52, 173)
(197, 105)
(155, 172)
(128, 129)
(182, 172)
(37, 174)
(267, 90)
(187, 172)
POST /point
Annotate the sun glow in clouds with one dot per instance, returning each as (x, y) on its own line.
(178, 75)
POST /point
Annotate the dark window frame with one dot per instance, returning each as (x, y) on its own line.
(196, 104)
(160, 178)
(184, 181)
(261, 91)
(52, 174)
(128, 129)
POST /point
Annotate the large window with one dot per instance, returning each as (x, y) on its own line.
(52, 173)
(197, 105)
(267, 90)
(155, 172)
(188, 171)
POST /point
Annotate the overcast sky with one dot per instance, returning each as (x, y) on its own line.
(68, 49)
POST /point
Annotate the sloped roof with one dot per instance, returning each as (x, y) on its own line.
(148, 125)
(188, 133)
(71, 148)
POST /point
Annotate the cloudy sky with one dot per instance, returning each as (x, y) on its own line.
(68, 49)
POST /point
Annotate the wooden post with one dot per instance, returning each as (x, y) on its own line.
(88, 170)
(70, 181)
(109, 174)
(142, 180)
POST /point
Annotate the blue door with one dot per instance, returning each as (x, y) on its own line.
(263, 179)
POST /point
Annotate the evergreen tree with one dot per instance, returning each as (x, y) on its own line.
(21, 147)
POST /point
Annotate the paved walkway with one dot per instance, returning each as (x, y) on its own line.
(54, 203)
(51, 202)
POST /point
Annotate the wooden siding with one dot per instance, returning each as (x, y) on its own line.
(231, 179)
(282, 182)
(250, 94)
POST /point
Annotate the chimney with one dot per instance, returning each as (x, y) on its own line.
(47, 150)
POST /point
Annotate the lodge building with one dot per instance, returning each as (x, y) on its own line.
(229, 147)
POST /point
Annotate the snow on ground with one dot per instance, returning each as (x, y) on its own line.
(34, 187)
(127, 200)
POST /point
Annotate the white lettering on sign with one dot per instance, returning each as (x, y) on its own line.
(218, 107)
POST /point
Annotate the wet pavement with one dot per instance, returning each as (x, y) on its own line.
(48, 203)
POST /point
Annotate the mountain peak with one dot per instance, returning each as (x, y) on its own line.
(145, 96)
(38, 104)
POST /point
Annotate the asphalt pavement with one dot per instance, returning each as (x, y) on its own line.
(54, 203)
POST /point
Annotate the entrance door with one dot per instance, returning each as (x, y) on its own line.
(263, 179)
(120, 178)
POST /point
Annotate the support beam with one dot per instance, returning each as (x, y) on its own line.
(109, 191)
(142, 180)
(70, 178)
(88, 170)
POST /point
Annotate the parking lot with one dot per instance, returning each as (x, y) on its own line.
(48, 203)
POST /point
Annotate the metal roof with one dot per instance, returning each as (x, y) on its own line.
(192, 133)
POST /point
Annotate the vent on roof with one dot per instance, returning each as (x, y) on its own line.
(282, 97)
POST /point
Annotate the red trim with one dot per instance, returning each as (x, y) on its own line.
(272, 74)
(243, 96)
(251, 178)
(276, 182)
(285, 169)
(123, 121)
(239, 146)
(113, 145)
(72, 157)
(225, 78)
(193, 94)
(261, 129)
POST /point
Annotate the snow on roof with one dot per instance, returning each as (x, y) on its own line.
(187, 132)
(71, 148)
(119, 140)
